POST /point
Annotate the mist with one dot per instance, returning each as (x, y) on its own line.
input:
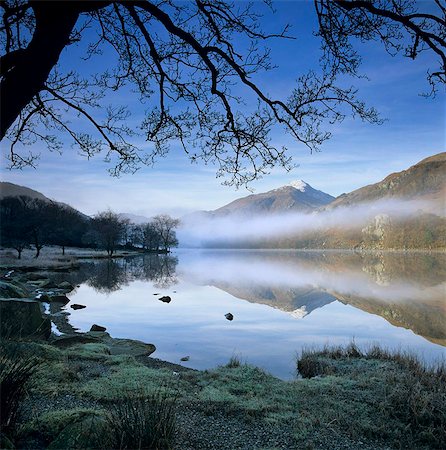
(206, 229)
(271, 270)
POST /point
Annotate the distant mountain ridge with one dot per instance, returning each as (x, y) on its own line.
(295, 196)
(405, 210)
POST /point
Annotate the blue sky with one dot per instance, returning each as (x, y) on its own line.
(358, 153)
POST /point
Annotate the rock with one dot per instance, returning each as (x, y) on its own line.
(43, 298)
(23, 318)
(116, 346)
(59, 299)
(185, 358)
(129, 347)
(95, 327)
(12, 289)
(77, 306)
(36, 277)
(66, 286)
(75, 339)
(47, 284)
(229, 316)
(165, 299)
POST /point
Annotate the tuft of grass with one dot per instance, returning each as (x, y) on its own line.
(409, 398)
(15, 373)
(234, 362)
(141, 421)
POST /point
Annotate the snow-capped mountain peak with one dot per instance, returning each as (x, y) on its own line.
(300, 185)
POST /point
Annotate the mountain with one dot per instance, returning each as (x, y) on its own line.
(425, 181)
(134, 218)
(14, 190)
(296, 196)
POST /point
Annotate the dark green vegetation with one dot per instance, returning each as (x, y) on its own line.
(82, 396)
(35, 222)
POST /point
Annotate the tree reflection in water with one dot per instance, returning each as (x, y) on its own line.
(111, 275)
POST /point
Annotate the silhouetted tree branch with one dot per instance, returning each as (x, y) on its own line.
(183, 60)
(399, 25)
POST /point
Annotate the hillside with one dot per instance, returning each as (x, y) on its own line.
(14, 190)
(425, 181)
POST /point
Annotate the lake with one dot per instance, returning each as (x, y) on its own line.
(282, 302)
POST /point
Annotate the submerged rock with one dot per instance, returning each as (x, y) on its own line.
(185, 358)
(77, 306)
(165, 299)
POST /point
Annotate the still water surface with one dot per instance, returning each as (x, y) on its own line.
(281, 301)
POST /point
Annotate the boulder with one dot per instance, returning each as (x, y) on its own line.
(59, 299)
(129, 347)
(76, 306)
(165, 299)
(23, 318)
(116, 346)
(95, 327)
(229, 316)
(12, 289)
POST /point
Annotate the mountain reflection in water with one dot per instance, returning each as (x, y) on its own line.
(282, 301)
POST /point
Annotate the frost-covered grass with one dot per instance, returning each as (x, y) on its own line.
(51, 256)
(391, 399)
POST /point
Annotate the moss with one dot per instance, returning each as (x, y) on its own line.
(50, 424)
(91, 350)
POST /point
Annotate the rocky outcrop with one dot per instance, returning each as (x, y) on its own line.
(23, 318)
(13, 289)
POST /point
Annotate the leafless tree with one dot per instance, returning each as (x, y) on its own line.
(110, 230)
(193, 64)
(165, 227)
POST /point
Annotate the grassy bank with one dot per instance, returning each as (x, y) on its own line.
(82, 396)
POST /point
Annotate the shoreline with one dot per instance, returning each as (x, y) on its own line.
(344, 399)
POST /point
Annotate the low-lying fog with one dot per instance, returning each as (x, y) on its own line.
(201, 229)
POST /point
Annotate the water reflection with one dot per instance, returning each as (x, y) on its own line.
(110, 275)
(408, 290)
(281, 301)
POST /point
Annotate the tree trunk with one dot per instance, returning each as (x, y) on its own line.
(63, 250)
(25, 72)
(38, 248)
(19, 253)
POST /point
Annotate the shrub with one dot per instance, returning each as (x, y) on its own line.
(14, 375)
(141, 421)
(409, 398)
